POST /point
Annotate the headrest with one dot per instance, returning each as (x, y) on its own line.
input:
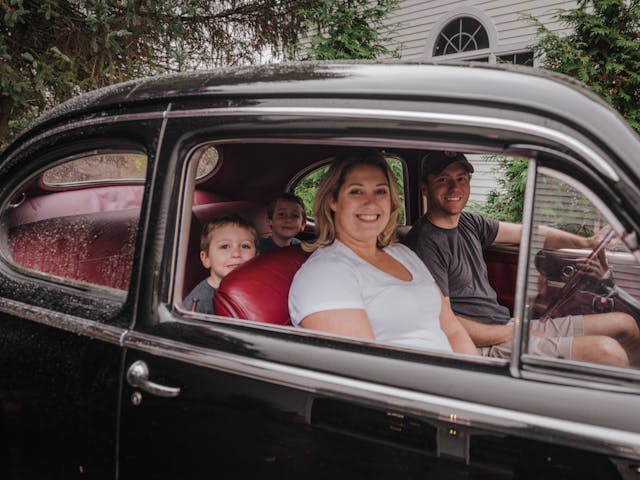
(259, 289)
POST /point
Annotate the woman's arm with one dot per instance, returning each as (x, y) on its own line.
(351, 322)
(458, 337)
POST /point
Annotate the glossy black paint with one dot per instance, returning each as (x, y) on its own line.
(67, 410)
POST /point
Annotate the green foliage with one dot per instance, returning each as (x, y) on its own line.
(308, 187)
(52, 50)
(348, 29)
(603, 51)
(506, 202)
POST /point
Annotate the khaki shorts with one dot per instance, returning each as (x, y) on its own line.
(559, 333)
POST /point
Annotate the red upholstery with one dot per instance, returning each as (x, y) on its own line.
(96, 248)
(76, 202)
(259, 289)
(502, 267)
(89, 234)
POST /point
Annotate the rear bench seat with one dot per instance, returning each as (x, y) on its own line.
(89, 235)
(95, 248)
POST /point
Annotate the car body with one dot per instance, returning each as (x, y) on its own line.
(104, 373)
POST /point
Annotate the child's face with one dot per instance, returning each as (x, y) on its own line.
(229, 248)
(287, 220)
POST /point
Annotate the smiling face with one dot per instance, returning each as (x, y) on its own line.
(230, 246)
(447, 194)
(287, 222)
(363, 206)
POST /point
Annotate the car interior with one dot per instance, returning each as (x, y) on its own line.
(84, 231)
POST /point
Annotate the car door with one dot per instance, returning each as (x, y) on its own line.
(224, 397)
(228, 398)
(69, 236)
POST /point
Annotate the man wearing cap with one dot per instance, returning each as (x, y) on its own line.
(451, 242)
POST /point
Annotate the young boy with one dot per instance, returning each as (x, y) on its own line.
(287, 217)
(226, 243)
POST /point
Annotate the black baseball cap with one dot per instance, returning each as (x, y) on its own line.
(433, 163)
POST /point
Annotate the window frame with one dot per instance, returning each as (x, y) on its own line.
(73, 151)
(554, 369)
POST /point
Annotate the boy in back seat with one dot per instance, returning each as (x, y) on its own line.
(225, 244)
(287, 217)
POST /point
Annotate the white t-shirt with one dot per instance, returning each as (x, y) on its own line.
(400, 312)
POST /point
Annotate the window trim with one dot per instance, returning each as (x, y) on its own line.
(553, 369)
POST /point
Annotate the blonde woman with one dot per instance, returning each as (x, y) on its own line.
(359, 281)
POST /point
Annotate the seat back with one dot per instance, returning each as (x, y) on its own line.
(96, 248)
(259, 289)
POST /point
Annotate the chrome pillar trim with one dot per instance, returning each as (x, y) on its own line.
(63, 321)
(410, 115)
(519, 307)
(443, 409)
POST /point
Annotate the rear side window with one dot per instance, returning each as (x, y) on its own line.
(308, 186)
(83, 230)
(95, 169)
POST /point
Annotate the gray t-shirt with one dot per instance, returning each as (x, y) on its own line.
(454, 258)
(202, 294)
(267, 244)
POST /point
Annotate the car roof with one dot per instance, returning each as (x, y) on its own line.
(516, 88)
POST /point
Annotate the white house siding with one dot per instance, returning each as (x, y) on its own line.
(484, 179)
(415, 24)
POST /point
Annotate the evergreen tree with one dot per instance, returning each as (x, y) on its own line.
(50, 51)
(348, 29)
(602, 51)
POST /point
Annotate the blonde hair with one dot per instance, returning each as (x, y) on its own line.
(330, 187)
(233, 219)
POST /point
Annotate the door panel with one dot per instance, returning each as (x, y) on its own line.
(226, 426)
(59, 394)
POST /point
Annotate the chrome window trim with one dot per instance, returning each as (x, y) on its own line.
(519, 340)
(572, 372)
(453, 119)
(443, 409)
(521, 292)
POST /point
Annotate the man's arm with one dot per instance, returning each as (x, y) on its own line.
(508, 234)
(511, 233)
(483, 334)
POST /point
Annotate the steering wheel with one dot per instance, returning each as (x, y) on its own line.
(595, 266)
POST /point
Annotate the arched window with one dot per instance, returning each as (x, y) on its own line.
(463, 34)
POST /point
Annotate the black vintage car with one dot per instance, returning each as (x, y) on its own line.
(104, 373)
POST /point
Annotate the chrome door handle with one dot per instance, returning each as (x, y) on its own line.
(138, 377)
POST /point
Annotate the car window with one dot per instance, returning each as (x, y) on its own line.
(578, 266)
(80, 234)
(102, 168)
(308, 185)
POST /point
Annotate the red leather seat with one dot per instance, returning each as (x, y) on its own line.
(259, 289)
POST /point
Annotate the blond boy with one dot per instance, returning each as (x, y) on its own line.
(225, 244)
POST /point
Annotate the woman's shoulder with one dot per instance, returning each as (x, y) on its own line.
(328, 257)
(401, 250)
